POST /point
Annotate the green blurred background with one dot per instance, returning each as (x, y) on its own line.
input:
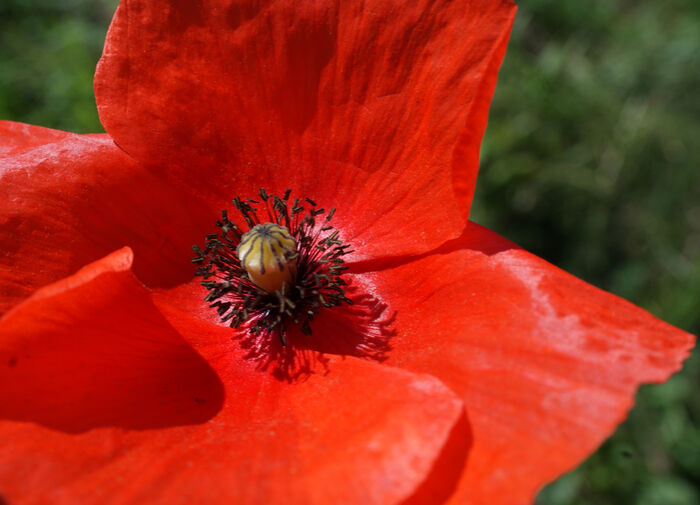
(590, 161)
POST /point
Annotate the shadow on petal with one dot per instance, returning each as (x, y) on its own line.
(442, 480)
(474, 237)
(362, 330)
(93, 351)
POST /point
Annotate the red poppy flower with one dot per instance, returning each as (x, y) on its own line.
(467, 370)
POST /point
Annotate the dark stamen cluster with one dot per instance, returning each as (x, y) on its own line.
(318, 280)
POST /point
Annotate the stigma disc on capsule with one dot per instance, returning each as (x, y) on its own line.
(268, 253)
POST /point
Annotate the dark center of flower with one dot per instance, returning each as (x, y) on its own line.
(279, 272)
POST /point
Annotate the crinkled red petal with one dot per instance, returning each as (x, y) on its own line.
(546, 364)
(104, 399)
(67, 200)
(374, 107)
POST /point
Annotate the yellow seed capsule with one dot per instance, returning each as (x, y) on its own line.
(267, 252)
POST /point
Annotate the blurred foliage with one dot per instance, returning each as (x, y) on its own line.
(48, 53)
(590, 160)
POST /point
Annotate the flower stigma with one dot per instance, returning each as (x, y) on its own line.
(281, 271)
(268, 254)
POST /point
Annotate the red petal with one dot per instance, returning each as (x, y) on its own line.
(67, 199)
(547, 365)
(92, 350)
(19, 138)
(373, 107)
(103, 402)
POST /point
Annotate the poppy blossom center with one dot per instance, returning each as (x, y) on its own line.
(268, 253)
(281, 271)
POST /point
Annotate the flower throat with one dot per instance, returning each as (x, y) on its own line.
(281, 271)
